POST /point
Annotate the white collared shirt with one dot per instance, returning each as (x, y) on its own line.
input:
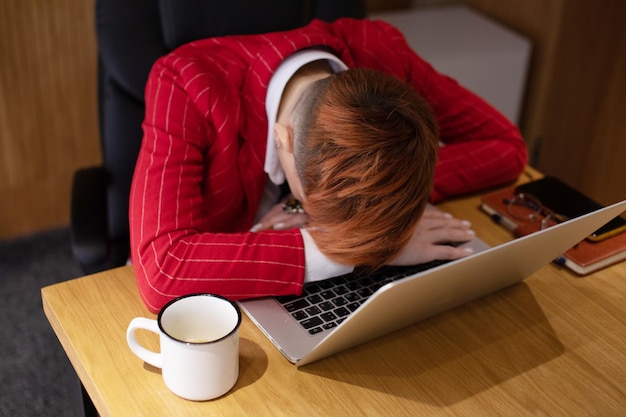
(318, 266)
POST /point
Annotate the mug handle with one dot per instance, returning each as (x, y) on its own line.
(153, 358)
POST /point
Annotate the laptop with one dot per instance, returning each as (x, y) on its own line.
(330, 317)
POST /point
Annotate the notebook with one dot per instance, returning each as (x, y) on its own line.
(586, 257)
(414, 295)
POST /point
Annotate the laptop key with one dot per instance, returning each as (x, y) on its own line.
(342, 312)
(328, 317)
(286, 298)
(326, 306)
(340, 290)
(352, 297)
(315, 330)
(326, 284)
(328, 294)
(364, 292)
(339, 301)
(311, 322)
(299, 315)
(296, 305)
(354, 285)
(312, 288)
(353, 306)
(314, 299)
(313, 311)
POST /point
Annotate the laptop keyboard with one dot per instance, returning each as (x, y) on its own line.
(323, 305)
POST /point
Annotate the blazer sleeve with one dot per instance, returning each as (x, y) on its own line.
(480, 146)
(186, 182)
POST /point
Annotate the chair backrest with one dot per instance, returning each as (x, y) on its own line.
(133, 34)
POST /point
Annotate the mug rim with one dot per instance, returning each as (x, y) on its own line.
(199, 294)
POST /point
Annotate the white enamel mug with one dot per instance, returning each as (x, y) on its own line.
(199, 341)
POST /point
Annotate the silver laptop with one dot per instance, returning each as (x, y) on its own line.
(330, 317)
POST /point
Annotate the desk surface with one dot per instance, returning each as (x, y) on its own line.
(553, 345)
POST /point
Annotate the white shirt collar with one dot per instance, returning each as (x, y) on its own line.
(274, 93)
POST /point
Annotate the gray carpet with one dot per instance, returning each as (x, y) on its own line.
(35, 375)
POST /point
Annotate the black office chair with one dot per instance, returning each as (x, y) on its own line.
(131, 36)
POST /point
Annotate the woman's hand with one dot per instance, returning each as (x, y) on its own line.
(279, 219)
(432, 239)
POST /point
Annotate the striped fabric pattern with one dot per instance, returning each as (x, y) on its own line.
(199, 177)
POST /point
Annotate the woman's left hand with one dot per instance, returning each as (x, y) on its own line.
(279, 219)
(432, 239)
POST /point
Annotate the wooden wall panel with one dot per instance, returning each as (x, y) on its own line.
(584, 114)
(48, 113)
(573, 117)
(605, 166)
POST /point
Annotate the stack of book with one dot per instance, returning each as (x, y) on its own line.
(588, 256)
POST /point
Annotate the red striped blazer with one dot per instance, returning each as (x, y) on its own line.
(199, 177)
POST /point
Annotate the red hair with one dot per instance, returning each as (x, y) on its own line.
(365, 151)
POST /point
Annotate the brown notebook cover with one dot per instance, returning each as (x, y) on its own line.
(584, 258)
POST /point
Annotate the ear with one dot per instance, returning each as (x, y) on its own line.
(283, 135)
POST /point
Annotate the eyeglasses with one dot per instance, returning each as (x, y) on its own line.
(526, 207)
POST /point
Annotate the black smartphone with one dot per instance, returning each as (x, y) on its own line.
(561, 198)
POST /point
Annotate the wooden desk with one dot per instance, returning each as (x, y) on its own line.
(554, 345)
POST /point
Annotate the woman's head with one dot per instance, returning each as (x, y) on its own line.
(365, 148)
